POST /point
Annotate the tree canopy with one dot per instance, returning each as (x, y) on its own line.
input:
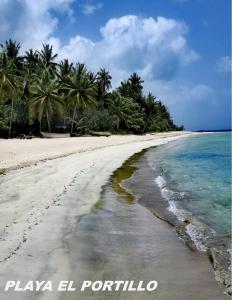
(38, 93)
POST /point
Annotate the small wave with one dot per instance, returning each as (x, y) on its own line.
(170, 196)
(198, 232)
(196, 236)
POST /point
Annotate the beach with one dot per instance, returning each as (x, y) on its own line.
(59, 221)
(16, 153)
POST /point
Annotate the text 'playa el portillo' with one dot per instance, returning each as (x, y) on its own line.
(71, 286)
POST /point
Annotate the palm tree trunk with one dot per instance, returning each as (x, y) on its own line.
(11, 119)
(117, 125)
(49, 124)
(73, 117)
(64, 120)
(146, 123)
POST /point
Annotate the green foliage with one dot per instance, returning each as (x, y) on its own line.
(35, 89)
(7, 77)
(47, 57)
(126, 112)
(44, 97)
(4, 119)
(95, 120)
(79, 90)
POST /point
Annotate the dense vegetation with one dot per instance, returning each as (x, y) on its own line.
(38, 94)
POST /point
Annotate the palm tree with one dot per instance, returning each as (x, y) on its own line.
(136, 84)
(8, 83)
(117, 109)
(47, 57)
(81, 69)
(7, 75)
(136, 81)
(104, 80)
(11, 49)
(92, 77)
(31, 63)
(64, 69)
(80, 91)
(126, 112)
(150, 109)
(125, 89)
(45, 98)
(31, 58)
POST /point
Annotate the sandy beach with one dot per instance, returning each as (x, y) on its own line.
(16, 153)
(44, 214)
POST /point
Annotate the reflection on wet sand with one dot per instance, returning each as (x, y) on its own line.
(121, 240)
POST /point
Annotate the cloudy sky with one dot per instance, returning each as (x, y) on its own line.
(181, 48)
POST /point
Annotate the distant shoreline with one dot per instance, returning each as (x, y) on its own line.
(215, 130)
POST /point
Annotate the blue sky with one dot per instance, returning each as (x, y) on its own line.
(181, 48)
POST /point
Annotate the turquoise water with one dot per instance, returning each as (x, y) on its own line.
(201, 168)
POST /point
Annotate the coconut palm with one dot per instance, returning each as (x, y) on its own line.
(80, 91)
(8, 84)
(7, 76)
(47, 57)
(11, 49)
(150, 105)
(136, 81)
(81, 69)
(125, 89)
(117, 109)
(104, 80)
(31, 59)
(126, 113)
(64, 69)
(34, 83)
(44, 98)
(92, 77)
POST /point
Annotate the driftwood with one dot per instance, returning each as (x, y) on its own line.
(50, 135)
(100, 133)
(24, 136)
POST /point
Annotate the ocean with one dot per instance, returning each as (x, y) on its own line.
(195, 177)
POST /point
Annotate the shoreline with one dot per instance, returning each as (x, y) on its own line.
(166, 210)
(53, 197)
(132, 225)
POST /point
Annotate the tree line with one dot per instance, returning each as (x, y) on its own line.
(38, 94)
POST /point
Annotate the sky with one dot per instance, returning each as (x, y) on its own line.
(181, 48)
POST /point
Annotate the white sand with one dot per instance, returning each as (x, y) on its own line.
(15, 153)
(40, 205)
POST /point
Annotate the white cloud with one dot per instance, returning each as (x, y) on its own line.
(174, 93)
(89, 9)
(224, 64)
(156, 48)
(195, 106)
(31, 22)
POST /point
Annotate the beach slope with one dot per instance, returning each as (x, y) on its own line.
(42, 205)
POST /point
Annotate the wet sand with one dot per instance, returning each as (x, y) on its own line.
(57, 224)
(124, 241)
